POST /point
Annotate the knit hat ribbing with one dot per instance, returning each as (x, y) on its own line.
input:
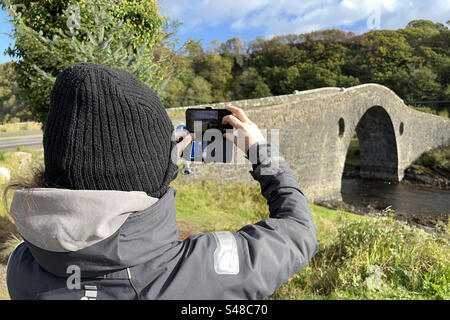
(106, 130)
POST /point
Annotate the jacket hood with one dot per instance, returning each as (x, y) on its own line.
(100, 231)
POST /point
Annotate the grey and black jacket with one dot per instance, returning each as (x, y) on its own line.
(81, 244)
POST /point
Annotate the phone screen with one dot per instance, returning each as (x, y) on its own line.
(205, 119)
(206, 148)
(206, 114)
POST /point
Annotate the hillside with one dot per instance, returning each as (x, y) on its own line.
(413, 61)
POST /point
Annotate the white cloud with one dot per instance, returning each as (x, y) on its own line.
(277, 17)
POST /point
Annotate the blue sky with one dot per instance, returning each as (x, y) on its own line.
(247, 19)
(4, 39)
(209, 20)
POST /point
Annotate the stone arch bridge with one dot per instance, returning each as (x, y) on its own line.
(315, 130)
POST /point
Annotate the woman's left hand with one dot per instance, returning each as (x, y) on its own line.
(186, 139)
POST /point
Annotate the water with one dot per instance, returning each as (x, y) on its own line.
(403, 198)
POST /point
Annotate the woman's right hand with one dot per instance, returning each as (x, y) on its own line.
(247, 131)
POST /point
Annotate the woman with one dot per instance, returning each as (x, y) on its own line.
(100, 222)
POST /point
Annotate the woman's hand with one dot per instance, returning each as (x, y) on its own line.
(186, 139)
(248, 132)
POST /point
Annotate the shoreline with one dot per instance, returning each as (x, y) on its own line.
(425, 221)
(433, 177)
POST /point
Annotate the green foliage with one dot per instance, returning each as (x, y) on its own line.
(10, 106)
(413, 61)
(425, 109)
(437, 285)
(250, 84)
(216, 69)
(375, 259)
(426, 24)
(49, 37)
(435, 157)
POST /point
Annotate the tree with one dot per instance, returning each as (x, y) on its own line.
(423, 85)
(52, 35)
(233, 45)
(10, 106)
(250, 85)
(217, 70)
(426, 24)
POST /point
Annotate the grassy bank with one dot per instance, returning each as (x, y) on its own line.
(359, 257)
(436, 157)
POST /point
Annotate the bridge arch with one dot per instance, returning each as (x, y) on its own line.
(378, 145)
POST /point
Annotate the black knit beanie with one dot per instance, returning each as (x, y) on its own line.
(107, 130)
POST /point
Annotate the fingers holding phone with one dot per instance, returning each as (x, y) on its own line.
(183, 138)
(247, 132)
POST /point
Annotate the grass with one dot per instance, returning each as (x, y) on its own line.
(14, 161)
(215, 207)
(359, 257)
(435, 157)
(23, 126)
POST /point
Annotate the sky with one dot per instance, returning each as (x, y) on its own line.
(208, 20)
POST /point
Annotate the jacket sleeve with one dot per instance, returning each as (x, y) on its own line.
(256, 260)
(274, 249)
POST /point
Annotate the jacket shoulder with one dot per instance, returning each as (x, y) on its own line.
(16, 273)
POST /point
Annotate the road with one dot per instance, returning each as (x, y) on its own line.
(32, 141)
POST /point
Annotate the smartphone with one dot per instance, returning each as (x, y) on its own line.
(209, 144)
(208, 118)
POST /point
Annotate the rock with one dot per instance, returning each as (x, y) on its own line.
(5, 175)
(374, 281)
(435, 176)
